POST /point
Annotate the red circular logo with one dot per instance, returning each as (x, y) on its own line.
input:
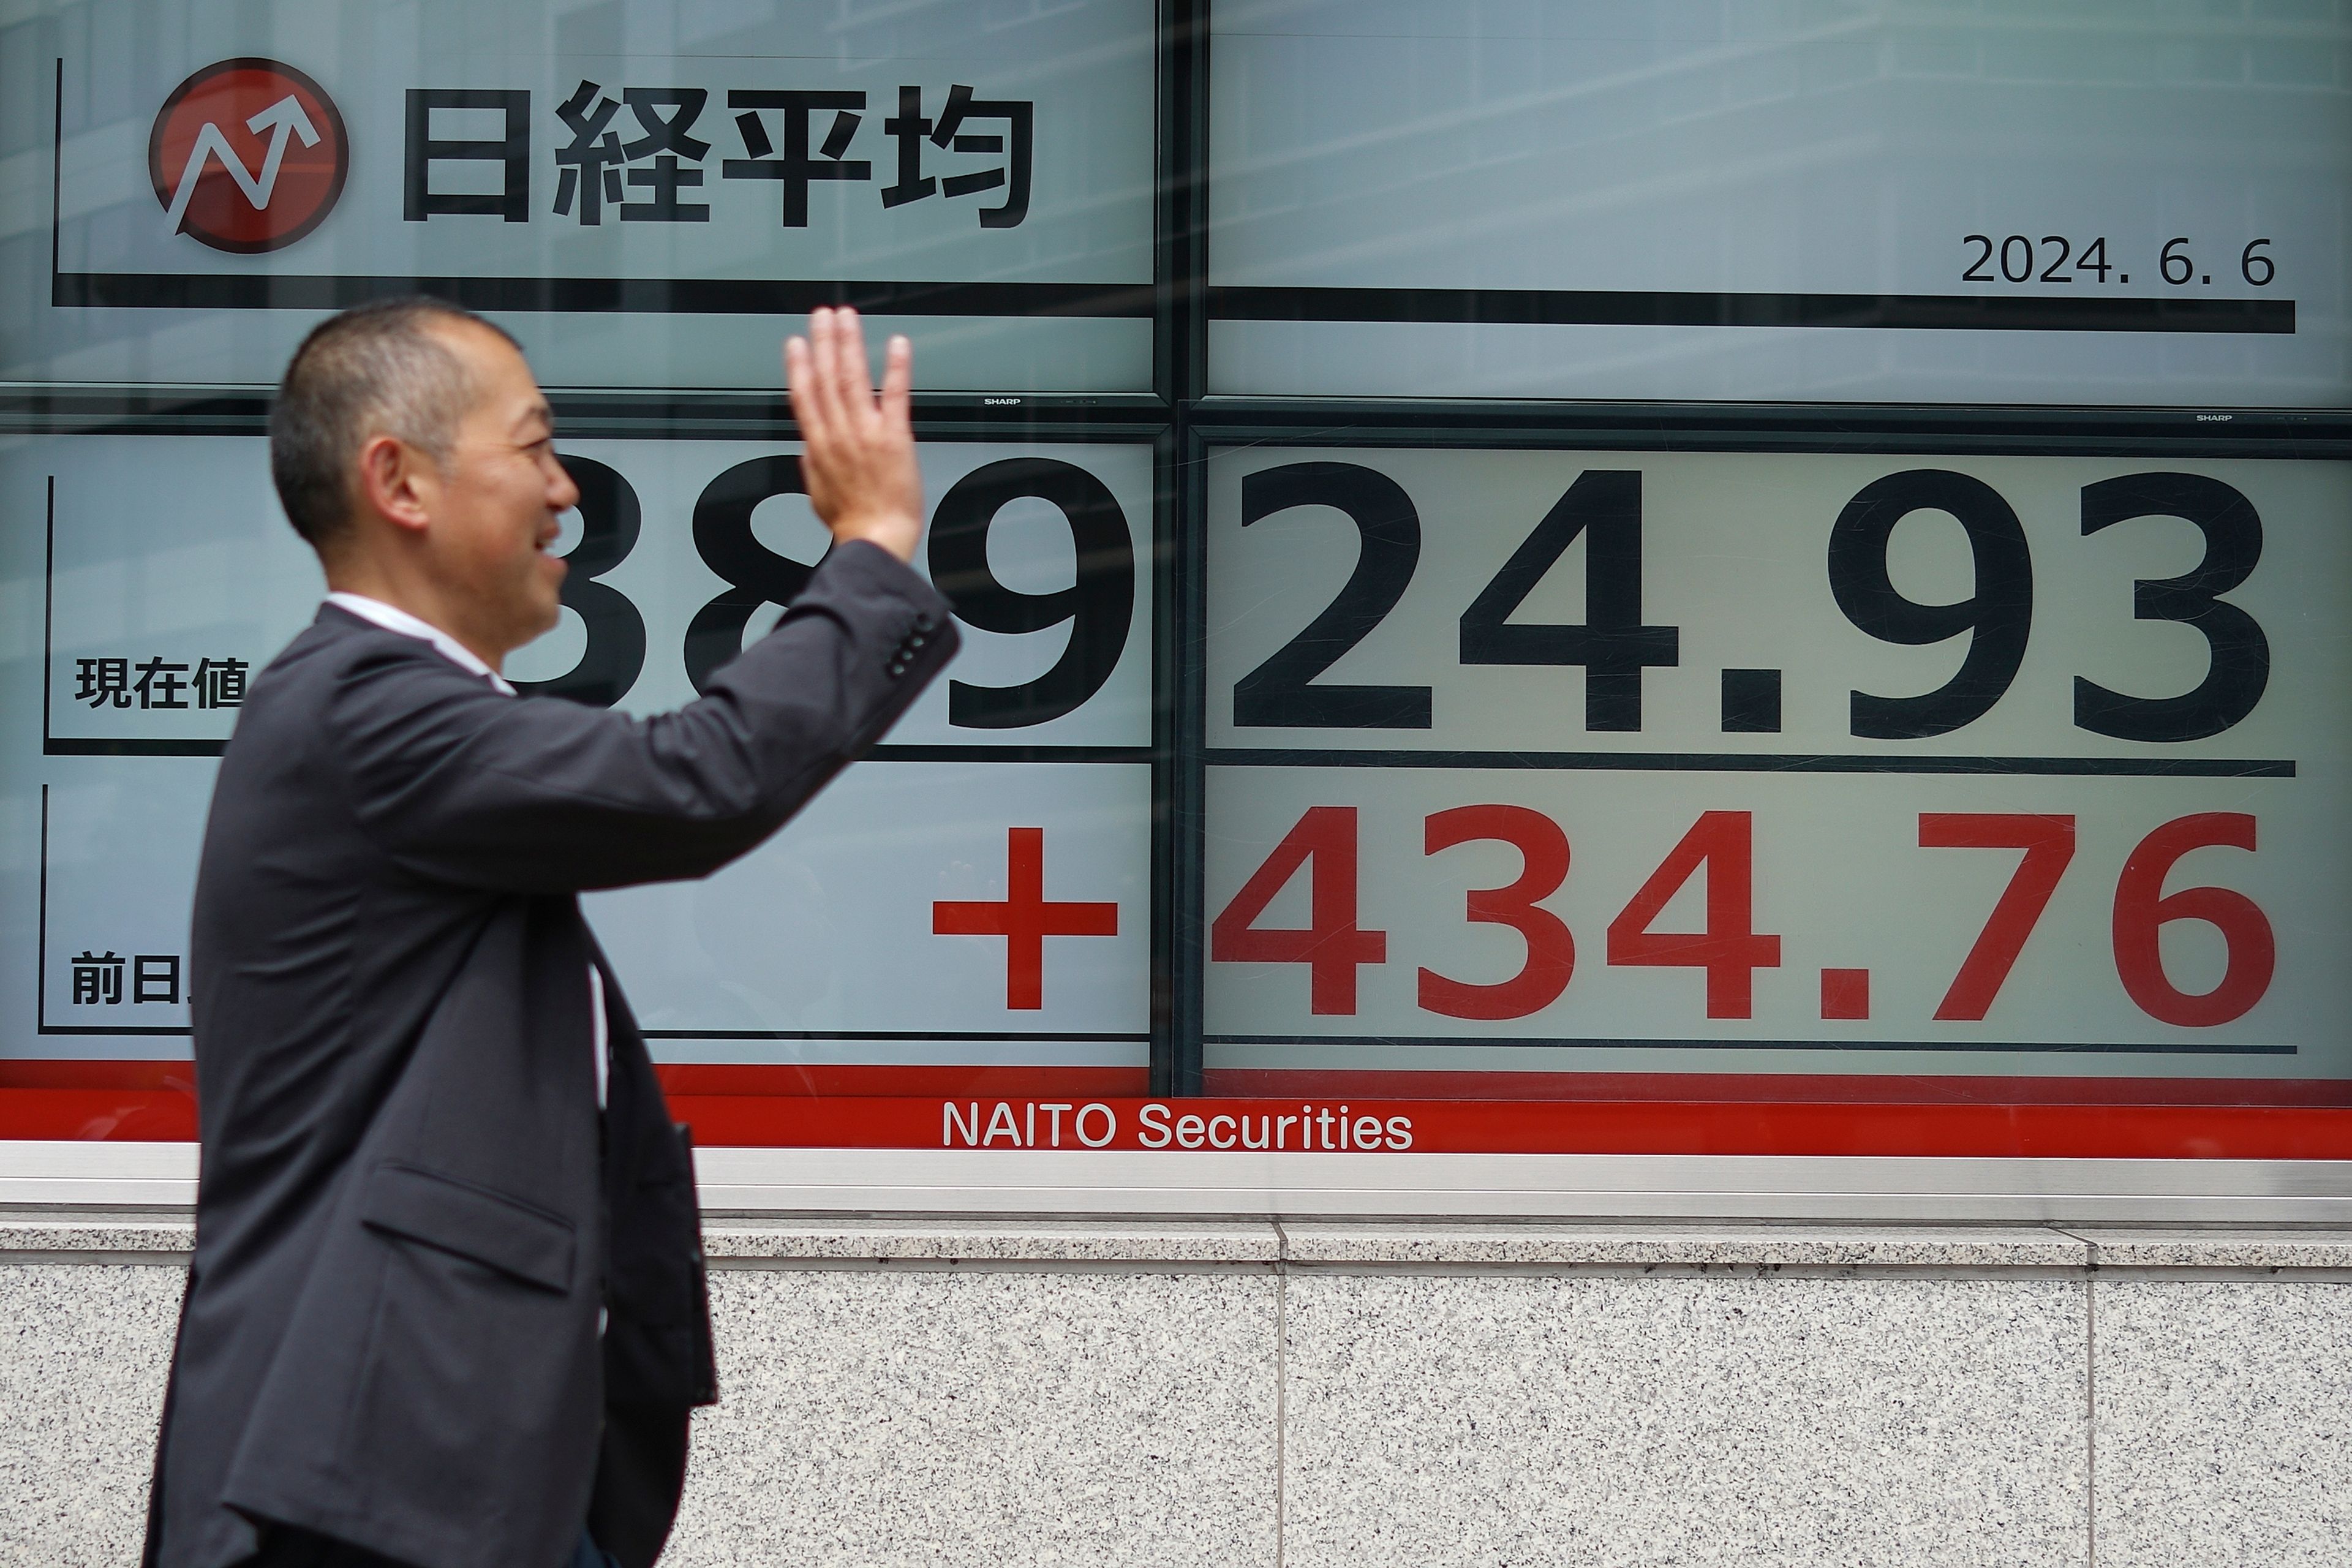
(247, 155)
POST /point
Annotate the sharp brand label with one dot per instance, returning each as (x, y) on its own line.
(247, 155)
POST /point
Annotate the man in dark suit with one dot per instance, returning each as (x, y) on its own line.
(447, 1309)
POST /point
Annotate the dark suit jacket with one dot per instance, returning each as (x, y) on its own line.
(405, 1228)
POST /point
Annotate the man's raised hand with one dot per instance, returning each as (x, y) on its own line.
(857, 455)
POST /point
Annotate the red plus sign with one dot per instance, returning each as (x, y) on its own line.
(1025, 919)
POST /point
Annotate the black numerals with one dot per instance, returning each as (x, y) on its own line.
(1604, 508)
(2175, 261)
(610, 521)
(1278, 692)
(1616, 646)
(1099, 606)
(754, 575)
(1998, 617)
(2017, 261)
(1999, 613)
(2241, 654)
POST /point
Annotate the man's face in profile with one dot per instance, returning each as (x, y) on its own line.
(503, 493)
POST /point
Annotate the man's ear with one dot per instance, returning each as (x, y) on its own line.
(397, 483)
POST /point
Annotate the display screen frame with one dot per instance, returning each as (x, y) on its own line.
(2072, 1120)
(2255, 1148)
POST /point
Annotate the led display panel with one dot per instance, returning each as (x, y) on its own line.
(1672, 776)
(635, 191)
(1642, 763)
(998, 843)
(1864, 201)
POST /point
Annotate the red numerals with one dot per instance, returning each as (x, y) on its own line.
(2143, 909)
(1552, 951)
(1330, 946)
(1721, 849)
(2049, 844)
(1723, 844)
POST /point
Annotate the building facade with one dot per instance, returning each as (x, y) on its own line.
(1640, 852)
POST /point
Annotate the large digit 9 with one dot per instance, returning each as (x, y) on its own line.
(610, 519)
(1099, 606)
(754, 575)
(1999, 615)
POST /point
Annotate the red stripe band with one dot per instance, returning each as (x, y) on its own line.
(1104, 1108)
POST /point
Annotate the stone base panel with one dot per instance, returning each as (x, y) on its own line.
(1013, 1391)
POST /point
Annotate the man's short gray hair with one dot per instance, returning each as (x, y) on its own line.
(375, 370)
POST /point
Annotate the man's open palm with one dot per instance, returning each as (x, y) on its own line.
(858, 452)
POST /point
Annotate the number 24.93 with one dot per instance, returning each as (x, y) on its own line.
(1614, 644)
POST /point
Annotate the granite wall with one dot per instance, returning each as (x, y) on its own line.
(1041, 1393)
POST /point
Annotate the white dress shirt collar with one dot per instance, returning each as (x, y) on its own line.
(393, 619)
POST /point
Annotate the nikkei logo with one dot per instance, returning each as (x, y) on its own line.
(247, 155)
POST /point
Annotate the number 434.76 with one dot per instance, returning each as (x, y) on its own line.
(1333, 945)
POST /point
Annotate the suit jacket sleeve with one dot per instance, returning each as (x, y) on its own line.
(461, 783)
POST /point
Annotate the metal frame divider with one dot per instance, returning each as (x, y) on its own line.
(1179, 364)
